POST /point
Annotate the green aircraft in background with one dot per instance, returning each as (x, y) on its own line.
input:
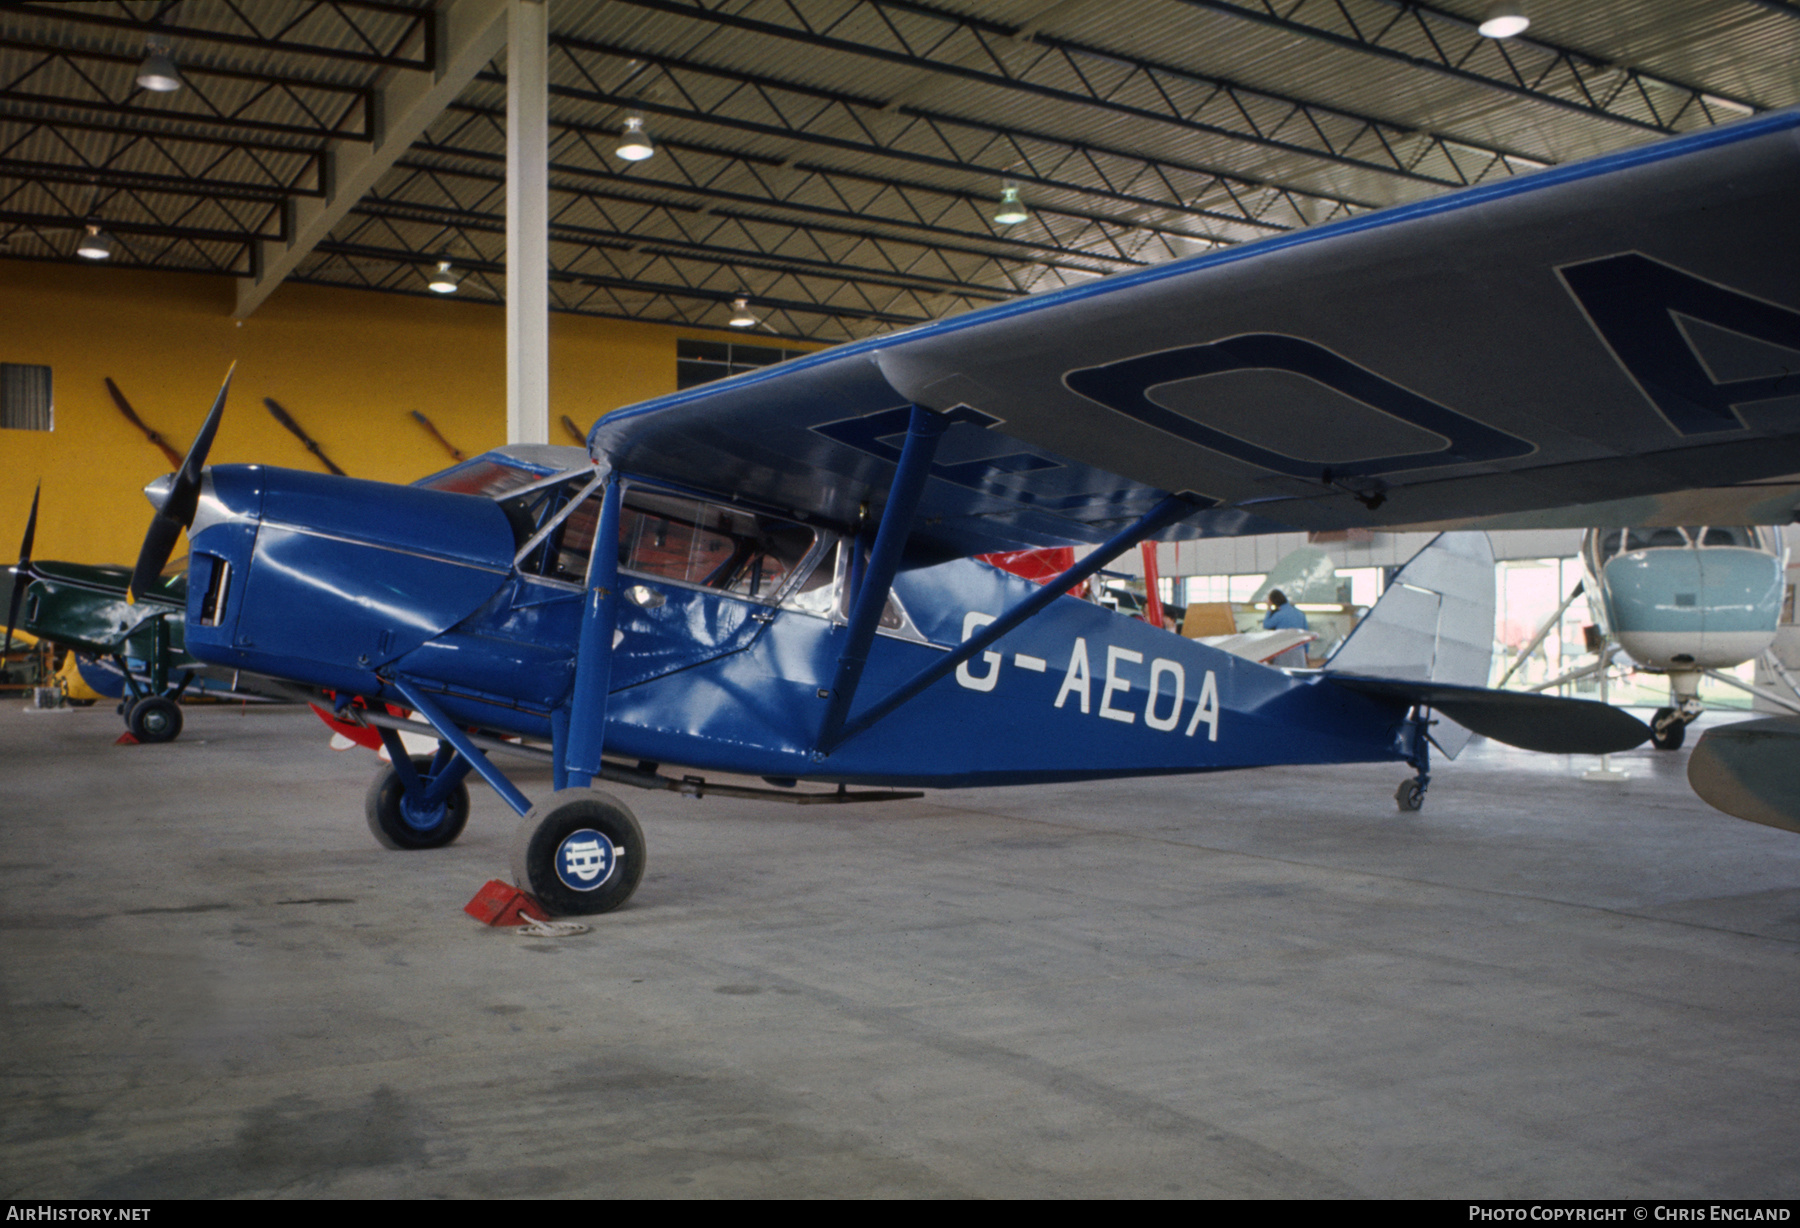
(86, 608)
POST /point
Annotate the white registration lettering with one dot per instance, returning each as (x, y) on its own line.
(1116, 684)
(1207, 710)
(973, 621)
(1077, 680)
(1036, 665)
(1158, 668)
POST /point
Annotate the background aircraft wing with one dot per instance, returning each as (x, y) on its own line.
(1601, 331)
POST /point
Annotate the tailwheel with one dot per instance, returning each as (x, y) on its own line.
(400, 819)
(1667, 729)
(578, 853)
(154, 719)
(1410, 795)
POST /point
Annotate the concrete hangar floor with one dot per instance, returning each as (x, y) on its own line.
(1262, 984)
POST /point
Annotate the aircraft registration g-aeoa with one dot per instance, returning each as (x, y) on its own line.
(772, 575)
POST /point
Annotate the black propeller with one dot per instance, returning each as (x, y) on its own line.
(22, 573)
(175, 502)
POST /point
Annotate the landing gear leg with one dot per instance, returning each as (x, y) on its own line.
(582, 852)
(1669, 726)
(153, 713)
(418, 802)
(1410, 796)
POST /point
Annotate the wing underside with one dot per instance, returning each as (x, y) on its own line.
(1598, 332)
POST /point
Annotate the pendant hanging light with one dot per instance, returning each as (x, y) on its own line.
(1012, 210)
(158, 72)
(1504, 20)
(634, 143)
(96, 244)
(444, 279)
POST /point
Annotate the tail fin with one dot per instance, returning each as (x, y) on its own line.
(1435, 623)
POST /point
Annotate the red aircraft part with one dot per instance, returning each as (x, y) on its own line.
(1153, 611)
(1038, 566)
(363, 735)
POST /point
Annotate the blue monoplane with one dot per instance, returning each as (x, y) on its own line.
(772, 575)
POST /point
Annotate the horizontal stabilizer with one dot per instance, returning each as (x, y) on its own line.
(1544, 723)
(1751, 769)
(1260, 646)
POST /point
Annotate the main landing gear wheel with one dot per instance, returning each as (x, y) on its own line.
(1410, 795)
(579, 853)
(1667, 729)
(399, 822)
(154, 719)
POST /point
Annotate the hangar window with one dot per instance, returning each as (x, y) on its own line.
(25, 397)
(701, 362)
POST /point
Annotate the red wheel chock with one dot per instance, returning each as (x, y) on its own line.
(500, 903)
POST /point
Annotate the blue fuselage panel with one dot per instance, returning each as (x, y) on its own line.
(1079, 692)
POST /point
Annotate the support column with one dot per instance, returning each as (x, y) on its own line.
(527, 222)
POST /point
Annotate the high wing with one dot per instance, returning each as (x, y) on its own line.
(1607, 330)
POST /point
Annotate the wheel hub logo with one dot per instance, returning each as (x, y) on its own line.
(585, 860)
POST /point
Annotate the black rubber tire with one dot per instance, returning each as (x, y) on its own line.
(126, 703)
(539, 843)
(390, 828)
(1671, 737)
(154, 719)
(1410, 796)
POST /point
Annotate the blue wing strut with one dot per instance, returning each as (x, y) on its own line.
(922, 434)
(578, 758)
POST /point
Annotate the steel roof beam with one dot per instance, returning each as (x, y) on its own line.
(684, 248)
(164, 21)
(474, 32)
(1433, 40)
(353, 120)
(401, 257)
(161, 230)
(689, 311)
(310, 162)
(1116, 170)
(914, 196)
(1023, 60)
(100, 176)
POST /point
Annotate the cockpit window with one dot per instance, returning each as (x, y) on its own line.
(1741, 536)
(826, 593)
(665, 536)
(702, 543)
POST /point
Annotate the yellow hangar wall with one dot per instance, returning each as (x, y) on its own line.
(349, 365)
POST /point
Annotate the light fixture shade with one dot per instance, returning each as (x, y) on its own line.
(1503, 21)
(1012, 210)
(158, 72)
(740, 314)
(634, 143)
(96, 244)
(444, 279)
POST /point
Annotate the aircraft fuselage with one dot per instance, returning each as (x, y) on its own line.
(347, 586)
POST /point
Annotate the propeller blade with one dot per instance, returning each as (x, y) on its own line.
(159, 544)
(30, 528)
(21, 573)
(425, 422)
(176, 511)
(154, 437)
(568, 425)
(286, 419)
